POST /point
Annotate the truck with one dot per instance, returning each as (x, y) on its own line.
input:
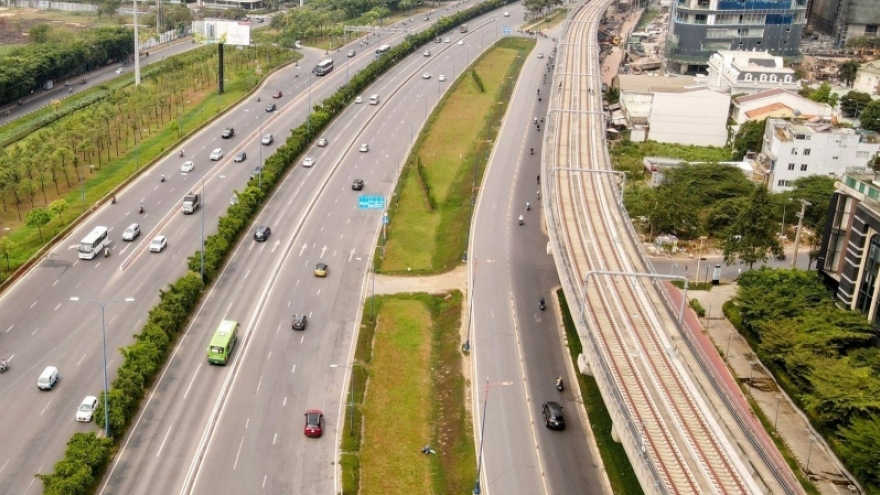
(190, 203)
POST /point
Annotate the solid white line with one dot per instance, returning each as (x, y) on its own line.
(192, 381)
(162, 445)
(274, 438)
(10, 328)
(81, 359)
(34, 304)
(47, 406)
(238, 453)
(56, 307)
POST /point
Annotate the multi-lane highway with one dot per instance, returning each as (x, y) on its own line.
(681, 425)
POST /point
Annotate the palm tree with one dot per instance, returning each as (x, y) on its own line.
(846, 72)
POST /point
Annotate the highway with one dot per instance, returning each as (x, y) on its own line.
(683, 430)
(516, 348)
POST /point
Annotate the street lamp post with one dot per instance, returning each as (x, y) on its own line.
(104, 339)
(351, 395)
(699, 257)
(776, 416)
(477, 489)
(782, 228)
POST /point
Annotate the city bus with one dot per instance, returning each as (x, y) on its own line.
(93, 243)
(223, 342)
(383, 49)
(323, 67)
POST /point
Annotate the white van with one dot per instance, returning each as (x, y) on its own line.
(374, 100)
(48, 378)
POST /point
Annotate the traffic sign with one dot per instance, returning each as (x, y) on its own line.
(385, 219)
(368, 202)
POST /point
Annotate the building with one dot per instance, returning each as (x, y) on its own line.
(849, 257)
(799, 148)
(656, 167)
(673, 109)
(868, 78)
(699, 28)
(739, 72)
(777, 104)
(845, 19)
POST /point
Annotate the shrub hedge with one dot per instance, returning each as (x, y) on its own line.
(87, 455)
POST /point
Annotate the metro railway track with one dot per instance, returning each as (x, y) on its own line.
(687, 454)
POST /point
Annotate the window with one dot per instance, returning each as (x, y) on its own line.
(803, 167)
(780, 183)
(748, 77)
(806, 151)
(791, 166)
(794, 151)
(787, 79)
(700, 19)
(869, 275)
(863, 154)
(763, 78)
(772, 77)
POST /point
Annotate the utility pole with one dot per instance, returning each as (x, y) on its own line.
(797, 235)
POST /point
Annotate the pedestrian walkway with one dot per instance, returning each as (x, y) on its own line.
(789, 423)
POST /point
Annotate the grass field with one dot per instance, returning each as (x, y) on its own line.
(407, 374)
(431, 216)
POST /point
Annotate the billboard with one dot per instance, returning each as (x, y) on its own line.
(222, 31)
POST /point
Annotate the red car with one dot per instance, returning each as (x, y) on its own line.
(314, 423)
(277, 94)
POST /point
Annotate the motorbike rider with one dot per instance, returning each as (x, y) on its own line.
(520, 219)
(141, 208)
(162, 179)
(559, 382)
(181, 151)
(106, 251)
(113, 199)
(531, 151)
(528, 206)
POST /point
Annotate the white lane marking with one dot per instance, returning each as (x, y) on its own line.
(34, 304)
(35, 331)
(285, 402)
(302, 249)
(269, 356)
(4, 465)
(274, 438)
(193, 380)
(247, 423)
(81, 359)
(294, 369)
(264, 482)
(47, 407)
(53, 285)
(246, 274)
(238, 453)
(10, 328)
(162, 445)
(260, 382)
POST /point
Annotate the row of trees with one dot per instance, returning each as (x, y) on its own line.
(823, 356)
(87, 455)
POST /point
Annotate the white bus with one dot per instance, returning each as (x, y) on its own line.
(94, 243)
(323, 67)
(383, 49)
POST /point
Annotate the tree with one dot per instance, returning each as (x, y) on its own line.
(748, 138)
(846, 72)
(870, 116)
(7, 245)
(852, 103)
(38, 218)
(860, 447)
(58, 207)
(823, 94)
(753, 235)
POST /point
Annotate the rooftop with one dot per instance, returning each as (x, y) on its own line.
(747, 61)
(787, 130)
(870, 67)
(643, 83)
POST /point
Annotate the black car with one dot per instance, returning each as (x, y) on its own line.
(553, 418)
(262, 233)
(227, 133)
(299, 322)
(358, 184)
(271, 107)
(240, 157)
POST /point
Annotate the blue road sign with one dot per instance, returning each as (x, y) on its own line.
(368, 202)
(385, 219)
(505, 30)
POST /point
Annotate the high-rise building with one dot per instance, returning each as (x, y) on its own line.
(845, 19)
(699, 28)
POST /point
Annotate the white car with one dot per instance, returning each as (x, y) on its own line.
(441, 78)
(322, 142)
(158, 244)
(447, 40)
(506, 14)
(120, 70)
(187, 166)
(131, 232)
(426, 75)
(427, 53)
(308, 161)
(268, 139)
(461, 42)
(358, 100)
(365, 148)
(216, 154)
(86, 410)
(540, 55)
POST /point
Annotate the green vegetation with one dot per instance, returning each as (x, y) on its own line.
(431, 215)
(614, 459)
(852, 103)
(749, 137)
(824, 357)
(419, 333)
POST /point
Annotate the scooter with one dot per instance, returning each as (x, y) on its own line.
(113, 200)
(520, 219)
(141, 209)
(162, 179)
(531, 151)
(4, 366)
(106, 252)
(542, 304)
(559, 385)
(181, 153)
(528, 206)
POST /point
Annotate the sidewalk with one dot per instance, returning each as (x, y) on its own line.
(812, 453)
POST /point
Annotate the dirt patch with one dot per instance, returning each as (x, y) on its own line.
(16, 23)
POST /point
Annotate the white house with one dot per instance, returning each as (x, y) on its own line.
(749, 72)
(795, 149)
(868, 78)
(777, 103)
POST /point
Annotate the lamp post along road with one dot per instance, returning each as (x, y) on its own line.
(104, 344)
(477, 489)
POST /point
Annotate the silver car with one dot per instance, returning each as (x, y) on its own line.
(131, 232)
(216, 154)
(86, 410)
(158, 244)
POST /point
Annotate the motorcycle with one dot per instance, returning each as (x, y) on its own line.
(181, 153)
(531, 151)
(162, 179)
(542, 304)
(520, 219)
(4, 366)
(528, 206)
(141, 209)
(106, 252)
(559, 385)
(113, 200)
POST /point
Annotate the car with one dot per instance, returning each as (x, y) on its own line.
(553, 418)
(438, 40)
(297, 44)
(188, 166)
(322, 142)
(427, 18)
(461, 42)
(216, 154)
(441, 78)
(240, 157)
(308, 161)
(271, 107)
(262, 233)
(540, 55)
(299, 322)
(260, 20)
(427, 53)
(268, 139)
(227, 133)
(120, 70)
(426, 75)
(277, 94)
(365, 147)
(506, 14)
(131, 232)
(358, 184)
(447, 40)
(314, 423)
(359, 100)
(158, 244)
(256, 171)
(351, 53)
(86, 409)
(321, 270)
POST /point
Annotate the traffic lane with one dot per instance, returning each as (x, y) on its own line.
(687, 267)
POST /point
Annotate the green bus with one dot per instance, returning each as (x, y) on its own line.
(223, 342)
